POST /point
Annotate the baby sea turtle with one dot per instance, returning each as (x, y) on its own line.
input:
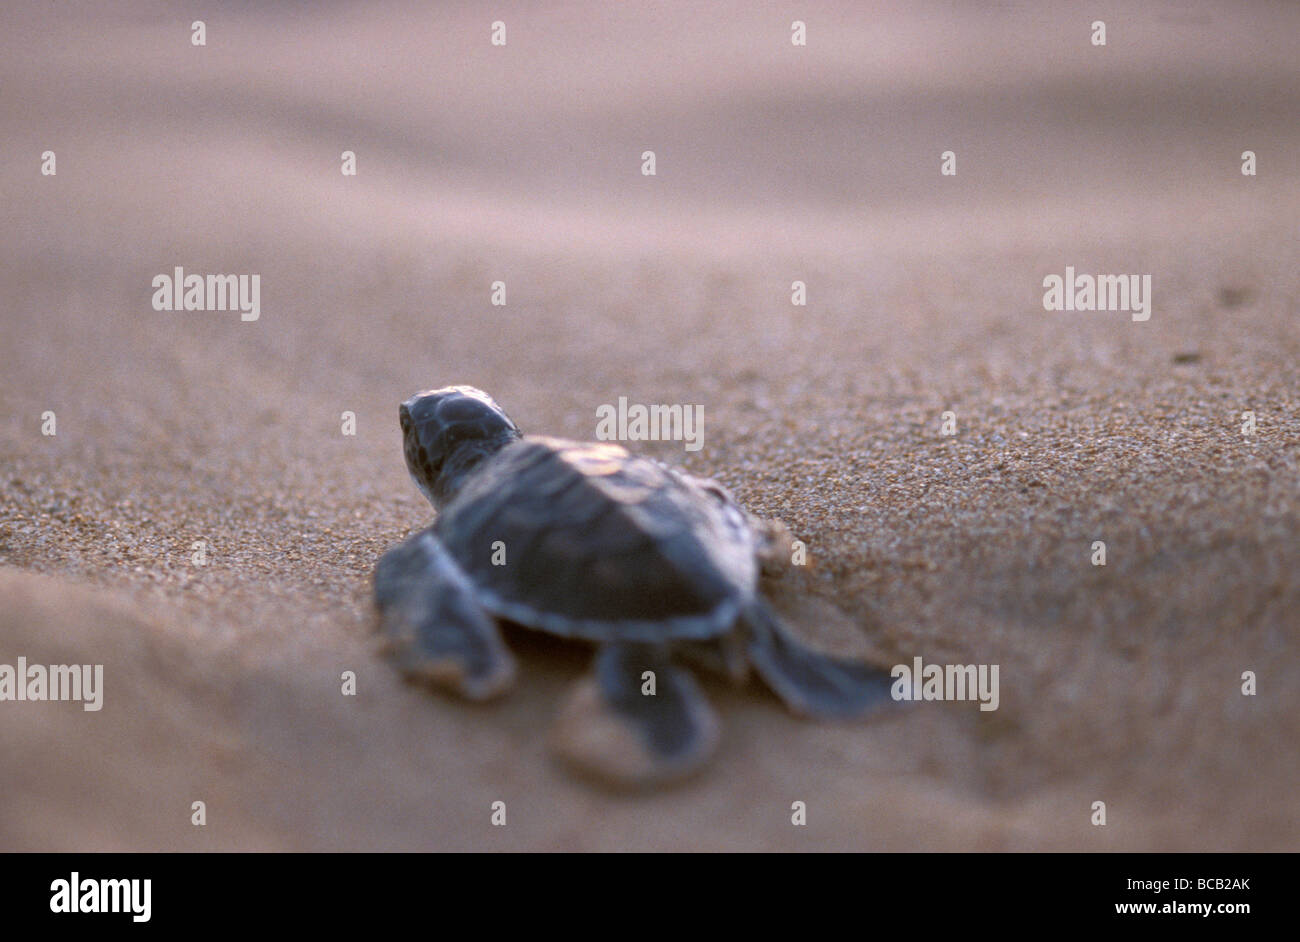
(589, 542)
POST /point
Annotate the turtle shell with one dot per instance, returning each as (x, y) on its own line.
(599, 544)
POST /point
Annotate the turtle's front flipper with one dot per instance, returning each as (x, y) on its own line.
(434, 628)
(630, 729)
(810, 683)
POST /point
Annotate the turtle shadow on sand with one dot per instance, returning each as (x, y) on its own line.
(656, 570)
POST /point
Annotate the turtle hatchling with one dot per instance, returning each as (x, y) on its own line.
(653, 567)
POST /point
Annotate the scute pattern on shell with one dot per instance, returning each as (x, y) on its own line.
(600, 544)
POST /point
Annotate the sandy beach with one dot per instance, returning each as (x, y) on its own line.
(775, 163)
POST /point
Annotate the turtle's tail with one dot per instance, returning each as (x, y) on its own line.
(811, 683)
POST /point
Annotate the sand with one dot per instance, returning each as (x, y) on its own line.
(1119, 684)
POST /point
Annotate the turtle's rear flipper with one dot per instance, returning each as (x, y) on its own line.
(810, 683)
(434, 629)
(629, 727)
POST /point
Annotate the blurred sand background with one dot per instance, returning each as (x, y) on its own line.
(775, 163)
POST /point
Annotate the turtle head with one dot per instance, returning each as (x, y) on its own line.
(447, 433)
